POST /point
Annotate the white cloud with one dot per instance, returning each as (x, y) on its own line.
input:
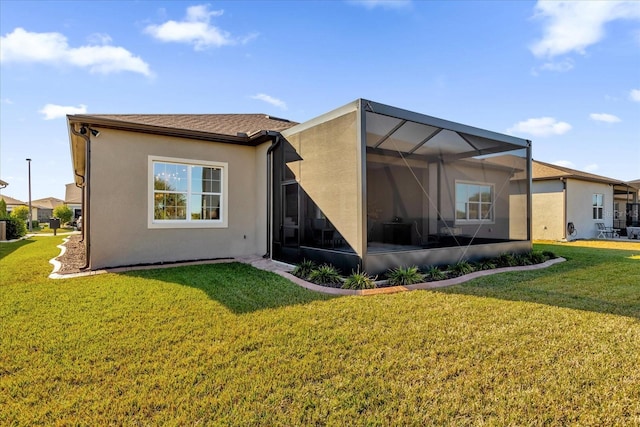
(564, 163)
(52, 111)
(575, 25)
(591, 167)
(52, 48)
(542, 126)
(196, 29)
(561, 66)
(6, 101)
(387, 4)
(270, 100)
(604, 117)
(634, 95)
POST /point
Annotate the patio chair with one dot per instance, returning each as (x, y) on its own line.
(606, 232)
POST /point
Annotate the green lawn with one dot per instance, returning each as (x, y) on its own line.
(226, 344)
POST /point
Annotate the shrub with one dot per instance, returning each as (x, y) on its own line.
(461, 268)
(435, 273)
(549, 254)
(537, 257)
(506, 260)
(359, 280)
(325, 274)
(486, 264)
(21, 212)
(402, 276)
(16, 228)
(63, 212)
(523, 259)
(303, 269)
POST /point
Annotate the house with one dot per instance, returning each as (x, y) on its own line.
(568, 204)
(73, 199)
(366, 186)
(44, 208)
(14, 203)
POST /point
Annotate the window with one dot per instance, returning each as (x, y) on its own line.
(187, 193)
(474, 202)
(598, 206)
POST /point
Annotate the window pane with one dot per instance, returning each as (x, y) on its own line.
(205, 180)
(205, 207)
(486, 194)
(461, 210)
(170, 206)
(461, 193)
(474, 211)
(485, 210)
(474, 193)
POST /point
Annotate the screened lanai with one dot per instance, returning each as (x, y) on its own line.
(375, 187)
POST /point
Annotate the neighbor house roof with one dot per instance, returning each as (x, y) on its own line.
(10, 201)
(73, 194)
(546, 171)
(47, 203)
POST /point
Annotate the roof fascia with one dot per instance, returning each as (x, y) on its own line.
(387, 110)
(157, 130)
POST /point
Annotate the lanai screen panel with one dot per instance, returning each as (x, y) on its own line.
(430, 186)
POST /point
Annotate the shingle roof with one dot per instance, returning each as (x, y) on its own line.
(221, 124)
(542, 170)
(47, 203)
(10, 201)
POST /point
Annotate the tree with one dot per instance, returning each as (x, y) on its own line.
(63, 212)
(21, 212)
(3, 209)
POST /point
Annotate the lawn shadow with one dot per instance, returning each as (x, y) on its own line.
(598, 284)
(239, 287)
(6, 248)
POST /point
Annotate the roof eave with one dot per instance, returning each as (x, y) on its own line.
(156, 130)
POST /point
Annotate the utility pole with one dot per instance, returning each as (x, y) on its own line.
(30, 218)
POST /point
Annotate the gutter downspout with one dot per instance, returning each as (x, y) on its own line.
(564, 210)
(274, 145)
(86, 199)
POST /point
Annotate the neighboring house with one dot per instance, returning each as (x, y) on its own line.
(73, 199)
(563, 196)
(13, 203)
(44, 208)
(365, 186)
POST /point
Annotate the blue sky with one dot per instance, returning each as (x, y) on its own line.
(564, 74)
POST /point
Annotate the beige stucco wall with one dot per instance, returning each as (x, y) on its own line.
(119, 232)
(329, 174)
(580, 206)
(547, 220)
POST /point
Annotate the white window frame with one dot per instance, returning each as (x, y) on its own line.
(597, 208)
(490, 220)
(221, 222)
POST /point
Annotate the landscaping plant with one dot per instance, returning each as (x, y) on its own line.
(303, 269)
(325, 274)
(402, 276)
(359, 280)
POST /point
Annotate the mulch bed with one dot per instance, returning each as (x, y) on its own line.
(74, 256)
